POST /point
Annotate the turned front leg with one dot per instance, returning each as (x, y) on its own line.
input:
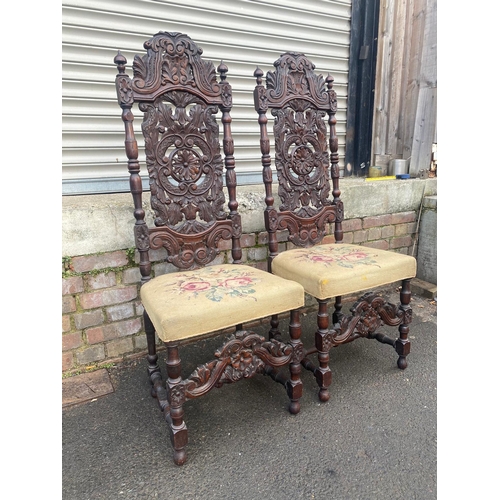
(323, 373)
(337, 313)
(294, 385)
(402, 344)
(274, 332)
(176, 398)
(153, 368)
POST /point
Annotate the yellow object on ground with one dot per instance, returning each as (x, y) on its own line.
(383, 178)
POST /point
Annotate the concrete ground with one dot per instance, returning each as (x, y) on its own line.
(374, 439)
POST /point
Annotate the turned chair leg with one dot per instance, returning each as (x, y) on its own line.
(274, 332)
(402, 344)
(153, 367)
(337, 313)
(294, 385)
(174, 413)
(323, 373)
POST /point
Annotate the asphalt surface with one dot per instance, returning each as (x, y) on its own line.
(374, 439)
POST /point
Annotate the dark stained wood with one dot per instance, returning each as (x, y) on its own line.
(180, 96)
(306, 160)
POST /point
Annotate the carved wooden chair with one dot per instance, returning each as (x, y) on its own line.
(180, 96)
(299, 101)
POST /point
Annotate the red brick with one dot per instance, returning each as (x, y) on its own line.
(380, 244)
(400, 229)
(260, 265)
(120, 311)
(224, 244)
(263, 238)
(67, 361)
(113, 331)
(154, 255)
(108, 297)
(403, 217)
(68, 304)
(359, 236)
(387, 232)
(412, 227)
(377, 220)
(102, 280)
(71, 341)
(247, 240)
(374, 233)
(90, 355)
(72, 285)
(66, 324)
(86, 319)
(403, 241)
(119, 347)
(282, 235)
(329, 238)
(87, 263)
(257, 253)
(348, 238)
(352, 225)
(131, 275)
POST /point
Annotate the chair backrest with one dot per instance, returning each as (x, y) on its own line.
(299, 100)
(179, 94)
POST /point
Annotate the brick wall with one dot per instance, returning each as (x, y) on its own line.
(102, 312)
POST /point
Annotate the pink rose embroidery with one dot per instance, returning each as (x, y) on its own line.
(321, 258)
(353, 256)
(195, 286)
(237, 282)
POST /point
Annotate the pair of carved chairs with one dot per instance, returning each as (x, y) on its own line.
(180, 96)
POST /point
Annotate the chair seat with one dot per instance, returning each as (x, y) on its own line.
(331, 270)
(183, 305)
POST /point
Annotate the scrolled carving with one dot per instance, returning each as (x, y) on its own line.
(177, 395)
(184, 163)
(306, 232)
(294, 77)
(193, 250)
(124, 90)
(301, 158)
(141, 235)
(173, 60)
(243, 355)
(367, 314)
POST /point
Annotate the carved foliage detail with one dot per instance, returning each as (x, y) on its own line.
(244, 355)
(174, 60)
(368, 314)
(294, 76)
(301, 158)
(184, 162)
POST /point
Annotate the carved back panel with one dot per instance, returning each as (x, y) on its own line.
(180, 96)
(299, 100)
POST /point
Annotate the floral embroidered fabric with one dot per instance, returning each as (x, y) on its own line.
(330, 270)
(187, 304)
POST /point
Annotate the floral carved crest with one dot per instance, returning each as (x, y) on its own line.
(174, 60)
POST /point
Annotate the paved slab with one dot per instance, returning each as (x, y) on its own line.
(86, 387)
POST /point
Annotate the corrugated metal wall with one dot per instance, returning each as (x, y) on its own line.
(243, 33)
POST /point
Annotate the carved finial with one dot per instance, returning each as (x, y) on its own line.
(222, 69)
(258, 73)
(329, 81)
(120, 62)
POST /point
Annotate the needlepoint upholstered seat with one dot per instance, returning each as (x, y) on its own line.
(306, 160)
(181, 96)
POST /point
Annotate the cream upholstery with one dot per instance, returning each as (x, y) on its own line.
(331, 270)
(187, 304)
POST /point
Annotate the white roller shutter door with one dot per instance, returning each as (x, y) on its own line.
(242, 33)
